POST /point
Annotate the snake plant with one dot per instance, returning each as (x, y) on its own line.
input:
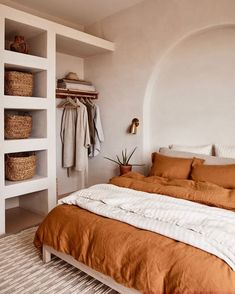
(124, 159)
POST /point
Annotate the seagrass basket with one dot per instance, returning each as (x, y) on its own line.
(18, 126)
(20, 166)
(18, 83)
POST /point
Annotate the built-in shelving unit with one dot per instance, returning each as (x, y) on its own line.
(35, 197)
(28, 193)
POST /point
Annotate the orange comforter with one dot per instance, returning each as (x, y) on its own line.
(136, 258)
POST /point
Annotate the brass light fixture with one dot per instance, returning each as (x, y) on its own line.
(134, 125)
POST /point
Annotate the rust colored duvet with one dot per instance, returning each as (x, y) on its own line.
(140, 259)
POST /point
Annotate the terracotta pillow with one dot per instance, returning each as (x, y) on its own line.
(172, 167)
(222, 175)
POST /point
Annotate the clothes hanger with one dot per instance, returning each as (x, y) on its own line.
(82, 100)
(89, 101)
(68, 103)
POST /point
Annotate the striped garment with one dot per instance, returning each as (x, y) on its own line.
(208, 228)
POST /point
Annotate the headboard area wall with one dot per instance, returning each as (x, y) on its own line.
(193, 96)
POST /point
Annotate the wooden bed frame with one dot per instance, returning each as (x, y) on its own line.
(48, 251)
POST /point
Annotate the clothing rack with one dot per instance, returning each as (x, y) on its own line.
(64, 93)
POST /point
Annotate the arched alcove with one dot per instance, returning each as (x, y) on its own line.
(190, 97)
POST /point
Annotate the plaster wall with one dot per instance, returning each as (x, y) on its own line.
(173, 68)
(193, 96)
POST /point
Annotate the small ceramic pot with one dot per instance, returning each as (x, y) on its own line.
(125, 169)
(19, 45)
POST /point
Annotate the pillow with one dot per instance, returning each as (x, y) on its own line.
(208, 159)
(224, 151)
(205, 149)
(172, 167)
(222, 175)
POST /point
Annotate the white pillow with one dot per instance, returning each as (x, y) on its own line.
(205, 149)
(208, 159)
(224, 151)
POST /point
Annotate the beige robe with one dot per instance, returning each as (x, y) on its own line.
(67, 133)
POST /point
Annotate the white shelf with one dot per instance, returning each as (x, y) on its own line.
(76, 46)
(17, 188)
(24, 62)
(20, 102)
(35, 37)
(21, 145)
(14, 28)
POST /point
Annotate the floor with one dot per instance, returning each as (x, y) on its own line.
(23, 272)
(18, 219)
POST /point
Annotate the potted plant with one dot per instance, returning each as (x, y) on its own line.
(124, 161)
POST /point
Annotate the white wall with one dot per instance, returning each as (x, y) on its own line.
(128, 79)
(12, 203)
(193, 96)
(65, 64)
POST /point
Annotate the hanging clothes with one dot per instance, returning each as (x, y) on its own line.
(95, 148)
(95, 127)
(81, 136)
(75, 139)
(91, 116)
(67, 134)
(82, 140)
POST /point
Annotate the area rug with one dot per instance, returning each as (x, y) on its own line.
(22, 270)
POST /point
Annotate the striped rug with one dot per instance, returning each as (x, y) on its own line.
(23, 272)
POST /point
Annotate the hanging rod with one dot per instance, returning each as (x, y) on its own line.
(64, 93)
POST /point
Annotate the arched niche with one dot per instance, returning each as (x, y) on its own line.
(190, 97)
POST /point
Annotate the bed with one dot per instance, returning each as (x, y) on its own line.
(133, 259)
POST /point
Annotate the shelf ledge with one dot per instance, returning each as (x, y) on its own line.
(24, 62)
(20, 102)
(22, 145)
(18, 188)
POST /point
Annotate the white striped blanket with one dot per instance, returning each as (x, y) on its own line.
(208, 228)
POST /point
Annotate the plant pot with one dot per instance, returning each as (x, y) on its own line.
(125, 169)
(19, 45)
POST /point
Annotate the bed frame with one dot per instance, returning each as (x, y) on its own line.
(48, 251)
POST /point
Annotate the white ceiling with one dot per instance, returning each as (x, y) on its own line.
(76, 12)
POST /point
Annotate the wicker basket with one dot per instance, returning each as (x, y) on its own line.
(18, 83)
(18, 126)
(20, 166)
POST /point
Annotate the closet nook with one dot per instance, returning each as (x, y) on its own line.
(24, 203)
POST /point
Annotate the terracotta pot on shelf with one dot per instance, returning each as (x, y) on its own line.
(125, 169)
(19, 45)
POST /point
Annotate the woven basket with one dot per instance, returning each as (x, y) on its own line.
(20, 166)
(18, 83)
(18, 126)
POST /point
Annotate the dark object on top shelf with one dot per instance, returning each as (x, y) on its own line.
(17, 126)
(19, 45)
(18, 83)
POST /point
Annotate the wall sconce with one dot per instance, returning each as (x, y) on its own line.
(134, 125)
